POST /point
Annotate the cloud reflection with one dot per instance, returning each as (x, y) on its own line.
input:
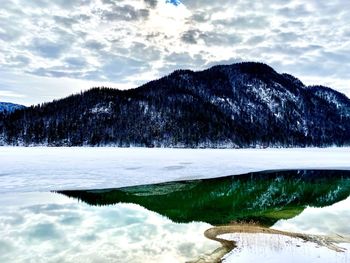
(76, 232)
(329, 220)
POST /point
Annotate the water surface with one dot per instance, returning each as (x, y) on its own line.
(165, 222)
(263, 197)
(48, 227)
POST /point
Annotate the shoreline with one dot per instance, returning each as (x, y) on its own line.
(227, 246)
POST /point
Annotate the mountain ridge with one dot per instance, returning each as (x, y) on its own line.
(241, 105)
(8, 107)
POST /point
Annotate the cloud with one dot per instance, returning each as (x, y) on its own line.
(190, 36)
(151, 3)
(176, 60)
(200, 17)
(66, 21)
(295, 11)
(244, 22)
(210, 38)
(75, 62)
(65, 4)
(94, 45)
(47, 48)
(124, 13)
(10, 94)
(118, 66)
(9, 33)
(129, 42)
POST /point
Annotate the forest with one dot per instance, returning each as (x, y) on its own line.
(227, 106)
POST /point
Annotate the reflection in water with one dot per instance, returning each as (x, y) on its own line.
(114, 225)
(263, 197)
(331, 220)
(59, 229)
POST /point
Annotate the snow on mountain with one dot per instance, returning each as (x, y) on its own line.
(7, 107)
(227, 106)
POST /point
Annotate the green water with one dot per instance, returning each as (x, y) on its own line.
(263, 197)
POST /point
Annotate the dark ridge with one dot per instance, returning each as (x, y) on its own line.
(232, 106)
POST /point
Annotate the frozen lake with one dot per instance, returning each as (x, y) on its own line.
(42, 169)
(165, 223)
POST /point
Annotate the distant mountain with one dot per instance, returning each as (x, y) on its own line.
(240, 105)
(6, 107)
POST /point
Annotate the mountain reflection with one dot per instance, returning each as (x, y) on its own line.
(262, 197)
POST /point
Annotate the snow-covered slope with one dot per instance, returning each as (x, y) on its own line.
(41, 169)
(9, 107)
(227, 106)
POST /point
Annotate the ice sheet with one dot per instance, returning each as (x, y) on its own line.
(48, 168)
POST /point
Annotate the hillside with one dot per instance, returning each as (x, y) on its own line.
(239, 105)
(6, 107)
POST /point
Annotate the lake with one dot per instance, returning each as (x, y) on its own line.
(166, 222)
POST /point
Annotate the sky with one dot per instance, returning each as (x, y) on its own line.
(50, 49)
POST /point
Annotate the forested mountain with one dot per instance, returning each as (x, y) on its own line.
(6, 107)
(240, 105)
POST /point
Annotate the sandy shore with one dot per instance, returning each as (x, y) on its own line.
(228, 245)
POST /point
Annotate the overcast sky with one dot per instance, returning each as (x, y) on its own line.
(53, 48)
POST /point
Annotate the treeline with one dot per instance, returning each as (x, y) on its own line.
(240, 105)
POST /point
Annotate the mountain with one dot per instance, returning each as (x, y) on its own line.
(262, 197)
(6, 107)
(240, 105)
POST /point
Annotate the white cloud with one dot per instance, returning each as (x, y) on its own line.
(30, 89)
(119, 41)
(10, 94)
